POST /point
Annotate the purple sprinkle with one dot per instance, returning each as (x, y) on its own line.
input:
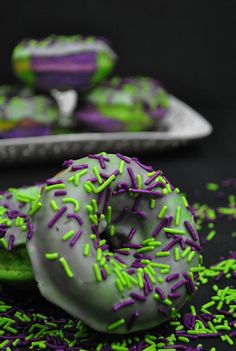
(152, 178)
(107, 199)
(168, 222)
(137, 202)
(54, 181)
(177, 285)
(132, 321)
(104, 274)
(30, 231)
(146, 192)
(190, 286)
(147, 168)
(105, 247)
(131, 234)
(132, 245)
(160, 292)
(79, 167)
(132, 177)
(191, 231)
(117, 258)
(174, 296)
(11, 242)
(147, 280)
(124, 253)
(60, 193)
(155, 185)
(121, 215)
(159, 227)
(101, 160)
(75, 238)
(138, 297)
(57, 216)
(168, 182)
(76, 217)
(131, 271)
(141, 214)
(194, 245)
(125, 303)
(124, 158)
(172, 276)
(100, 197)
(67, 163)
(175, 241)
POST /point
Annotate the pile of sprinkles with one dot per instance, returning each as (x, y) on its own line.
(23, 326)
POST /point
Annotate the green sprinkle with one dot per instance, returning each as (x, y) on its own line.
(176, 254)
(116, 324)
(186, 252)
(183, 339)
(139, 181)
(106, 183)
(121, 166)
(51, 256)
(68, 235)
(94, 205)
(162, 212)
(34, 209)
(97, 175)
(54, 205)
(87, 249)
(4, 243)
(97, 272)
(211, 235)
(163, 254)
(152, 203)
(177, 215)
(212, 186)
(119, 348)
(109, 212)
(119, 285)
(140, 278)
(112, 230)
(87, 188)
(174, 231)
(54, 186)
(73, 201)
(145, 249)
(66, 267)
(191, 256)
(185, 202)
(99, 254)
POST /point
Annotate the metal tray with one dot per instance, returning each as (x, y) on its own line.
(181, 125)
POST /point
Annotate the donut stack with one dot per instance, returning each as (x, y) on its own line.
(81, 64)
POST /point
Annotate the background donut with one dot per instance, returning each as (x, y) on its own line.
(63, 62)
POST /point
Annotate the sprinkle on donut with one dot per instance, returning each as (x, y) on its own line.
(115, 243)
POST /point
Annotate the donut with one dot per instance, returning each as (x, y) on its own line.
(63, 62)
(123, 104)
(24, 114)
(15, 226)
(114, 244)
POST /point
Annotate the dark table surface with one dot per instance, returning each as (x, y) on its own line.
(190, 167)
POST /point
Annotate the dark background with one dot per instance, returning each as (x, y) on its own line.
(189, 45)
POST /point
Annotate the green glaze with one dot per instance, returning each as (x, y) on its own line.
(15, 266)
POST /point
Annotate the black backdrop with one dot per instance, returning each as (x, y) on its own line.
(189, 45)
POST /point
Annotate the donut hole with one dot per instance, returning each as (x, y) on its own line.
(115, 242)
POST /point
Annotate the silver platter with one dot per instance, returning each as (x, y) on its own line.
(181, 125)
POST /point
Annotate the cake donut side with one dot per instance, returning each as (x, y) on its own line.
(24, 114)
(15, 227)
(114, 244)
(124, 104)
(63, 62)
